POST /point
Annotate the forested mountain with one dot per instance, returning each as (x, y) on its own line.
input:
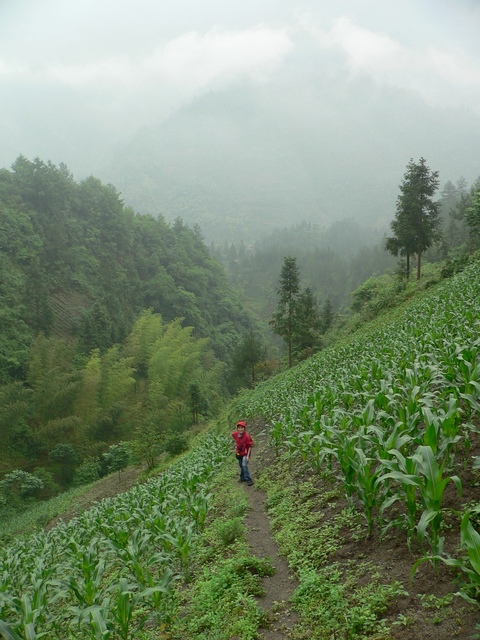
(335, 259)
(77, 263)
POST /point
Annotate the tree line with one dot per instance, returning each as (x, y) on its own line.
(333, 261)
(75, 262)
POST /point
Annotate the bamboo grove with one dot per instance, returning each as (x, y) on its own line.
(392, 412)
(140, 391)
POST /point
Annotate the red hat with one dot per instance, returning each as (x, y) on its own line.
(241, 423)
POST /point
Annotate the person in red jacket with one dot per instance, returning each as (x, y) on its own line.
(243, 448)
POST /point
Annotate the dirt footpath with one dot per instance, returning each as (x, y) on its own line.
(280, 586)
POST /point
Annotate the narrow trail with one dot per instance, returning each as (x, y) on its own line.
(280, 586)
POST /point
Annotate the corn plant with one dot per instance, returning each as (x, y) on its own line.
(471, 540)
(182, 541)
(369, 491)
(323, 454)
(29, 618)
(199, 509)
(470, 564)
(94, 622)
(432, 488)
(62, 580)
(390, 438)
(420, 473)
(86, 567)
(277, 434)
(441, 431)
(125, 602)
(403, 470)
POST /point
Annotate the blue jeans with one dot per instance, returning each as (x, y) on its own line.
(244, 473)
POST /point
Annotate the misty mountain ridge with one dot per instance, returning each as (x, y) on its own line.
(253, 158)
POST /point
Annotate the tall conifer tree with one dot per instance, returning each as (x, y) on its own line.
(472, 215)
(308, 327)
(284, 320)
(417, 220)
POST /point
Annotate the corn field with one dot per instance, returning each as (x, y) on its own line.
(102, 575)
(387, 412)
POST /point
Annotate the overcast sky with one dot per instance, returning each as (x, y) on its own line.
(78, 76)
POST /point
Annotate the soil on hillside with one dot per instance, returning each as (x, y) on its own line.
(281, 585)
(107, 487)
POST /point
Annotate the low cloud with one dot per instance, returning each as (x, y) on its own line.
(192, 61)
(441, 77)
(199, 59)
(9, 69)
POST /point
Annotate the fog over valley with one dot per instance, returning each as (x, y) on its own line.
(244, 119)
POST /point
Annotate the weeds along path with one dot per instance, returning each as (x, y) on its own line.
(280, 586)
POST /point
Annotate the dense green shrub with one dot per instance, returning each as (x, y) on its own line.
(18, 487)
(89, 471)
(454, 266)
(50, 487)
(65, 457)
(116, 458)
(175, 443)
(231, 530)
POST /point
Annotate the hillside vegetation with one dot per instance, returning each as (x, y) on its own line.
(392, 414)
(370, 468)
(76, 263)
(113, 326)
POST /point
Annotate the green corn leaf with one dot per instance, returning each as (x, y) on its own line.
(431, 437)
(428, 463)
(458, 483)
(101, 630)
(8, 633)
(427, 516)
(403, 478)
(472, 401)
(472, 539)
(391, 500)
